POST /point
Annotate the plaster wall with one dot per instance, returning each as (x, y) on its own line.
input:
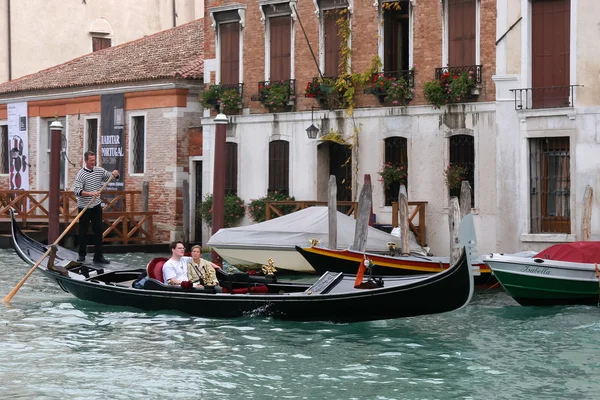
(45, 33)
(588, 58)
(427, 131)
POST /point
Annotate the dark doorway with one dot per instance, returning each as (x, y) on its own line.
(340, 165)
(198, 198)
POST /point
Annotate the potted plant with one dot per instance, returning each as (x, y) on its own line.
(234, 210)
(257, 207)
(454, 174)
(230, 101)
(450, 88)
(395, 91)
(275, 95)
(391, 173)
(210, 97)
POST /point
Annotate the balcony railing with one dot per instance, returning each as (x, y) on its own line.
(544, 97)
(283, 99)
(476, 69)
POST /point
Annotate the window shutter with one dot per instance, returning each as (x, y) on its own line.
(461, 32)
(281, 43)
(332, 43)
(229, 35)
(550, 39)
(99, 43)
(279, 166)
(231, 168)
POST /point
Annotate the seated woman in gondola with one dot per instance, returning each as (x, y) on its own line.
(201, 271)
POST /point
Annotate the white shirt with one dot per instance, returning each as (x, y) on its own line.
(173, 269)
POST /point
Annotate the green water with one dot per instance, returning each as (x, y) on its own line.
(57, 347)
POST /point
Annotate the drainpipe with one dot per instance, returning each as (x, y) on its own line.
(174, 14)
(9, 45)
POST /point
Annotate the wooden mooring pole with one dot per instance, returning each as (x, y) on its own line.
(145, 200)
(332, 211)
(403, 220)
(453, 223)
(185, 193)
(586, 223)
(365, 201)
(465, 199)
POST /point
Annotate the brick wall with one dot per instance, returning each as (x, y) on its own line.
(427, 47)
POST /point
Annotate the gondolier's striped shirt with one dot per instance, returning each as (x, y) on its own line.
(89, 180)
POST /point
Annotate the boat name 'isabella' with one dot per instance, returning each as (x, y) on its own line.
(536, 270)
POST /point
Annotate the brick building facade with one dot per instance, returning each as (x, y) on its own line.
(420, 39)
(160, 77)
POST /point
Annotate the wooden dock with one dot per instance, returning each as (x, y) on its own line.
(125, 224)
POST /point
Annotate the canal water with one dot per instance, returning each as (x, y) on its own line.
(53, 346)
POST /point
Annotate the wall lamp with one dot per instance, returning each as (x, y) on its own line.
(312, 131)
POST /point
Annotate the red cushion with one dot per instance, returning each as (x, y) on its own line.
(155, 267)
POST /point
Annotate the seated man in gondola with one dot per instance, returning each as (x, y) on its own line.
(175, 268)
(201, 271)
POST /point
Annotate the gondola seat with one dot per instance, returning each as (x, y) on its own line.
(155, 267)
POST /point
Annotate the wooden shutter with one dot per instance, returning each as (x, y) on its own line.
(4, 149)
(231, 168)
(550, 46)
(281, 45)
(461, 32)
(100, 43)
(229, 35)
(332, 43)
(279, 166)
(395, 34)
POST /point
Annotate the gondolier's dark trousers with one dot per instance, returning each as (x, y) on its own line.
(93, 215)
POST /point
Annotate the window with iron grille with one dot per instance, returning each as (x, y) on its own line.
(3, 149)
(550, 185)
(462, 153)
(92, 135)
(138, 144)
(396, 153)
(231, 169)
(279, 167)
(99, 43)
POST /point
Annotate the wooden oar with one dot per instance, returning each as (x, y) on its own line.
(16, 288)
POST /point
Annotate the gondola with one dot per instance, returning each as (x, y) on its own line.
(333, 297)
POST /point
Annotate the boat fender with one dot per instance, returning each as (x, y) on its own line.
(361, 271)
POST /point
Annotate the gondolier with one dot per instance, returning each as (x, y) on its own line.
(88, 182)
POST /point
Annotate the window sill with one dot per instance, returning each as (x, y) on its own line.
(546, 112)
(548, 237)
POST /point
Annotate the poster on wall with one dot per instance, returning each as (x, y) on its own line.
(18, 146)
(112, 120)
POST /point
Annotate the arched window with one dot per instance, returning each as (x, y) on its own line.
(279, 167)
(397, 155)
(462, 152)
(231, 169)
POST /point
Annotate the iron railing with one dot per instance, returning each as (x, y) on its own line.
(544, 97)
(476, 69)
(289, 83)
